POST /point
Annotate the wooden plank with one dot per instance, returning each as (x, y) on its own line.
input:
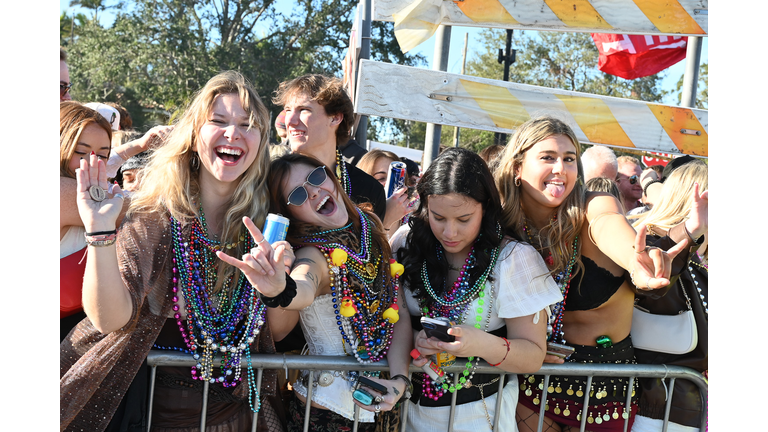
(429, 96)
(416, 20)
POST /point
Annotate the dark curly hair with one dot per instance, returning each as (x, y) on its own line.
(460, 171)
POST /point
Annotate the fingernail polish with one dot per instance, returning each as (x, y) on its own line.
(92, 153)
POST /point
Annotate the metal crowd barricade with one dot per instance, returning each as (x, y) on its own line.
(315, 363)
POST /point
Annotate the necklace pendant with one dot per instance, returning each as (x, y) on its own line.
(374, 307)
(370, 269)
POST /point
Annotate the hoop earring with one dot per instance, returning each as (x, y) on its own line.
(194, 161)
(517, 181)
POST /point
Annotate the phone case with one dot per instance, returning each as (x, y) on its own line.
(437, 328)
(363, 396)
(372, 384)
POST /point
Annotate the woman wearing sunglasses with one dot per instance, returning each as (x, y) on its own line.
(155, 281)
(598, 261)
(345, 289)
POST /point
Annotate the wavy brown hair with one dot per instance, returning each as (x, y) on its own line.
(559, 235)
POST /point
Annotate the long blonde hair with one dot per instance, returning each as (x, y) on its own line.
(560, 234)
(676, 198)
(171, 182)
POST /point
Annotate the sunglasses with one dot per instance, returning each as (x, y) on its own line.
(299, 195)
(632, 180)
(64, 88)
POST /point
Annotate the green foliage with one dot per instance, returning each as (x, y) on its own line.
(158, 53)
(702, 87)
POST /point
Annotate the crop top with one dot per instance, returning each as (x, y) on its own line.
(594, 289)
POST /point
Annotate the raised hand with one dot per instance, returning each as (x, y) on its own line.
(98, 203)
(652, 266)
(263, 266)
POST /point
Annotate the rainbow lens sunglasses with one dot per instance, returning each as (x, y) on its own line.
(299, 195)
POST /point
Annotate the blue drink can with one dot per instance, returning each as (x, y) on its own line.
(395, 178)
(275, 228)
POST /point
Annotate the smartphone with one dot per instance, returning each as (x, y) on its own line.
(364, 381)
(559, 350)
(438, 328)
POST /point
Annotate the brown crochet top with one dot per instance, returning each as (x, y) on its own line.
(97, 369)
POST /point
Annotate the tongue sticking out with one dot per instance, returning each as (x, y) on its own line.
(556, 190)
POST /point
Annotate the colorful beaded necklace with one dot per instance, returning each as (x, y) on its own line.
(227, 322)
(342, 174)
(555, 331)
(454, 304)
(361, 320)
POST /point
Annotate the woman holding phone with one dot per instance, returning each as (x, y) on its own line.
(460, 266)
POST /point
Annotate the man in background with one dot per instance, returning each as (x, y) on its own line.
(599, 161)
(628, 181)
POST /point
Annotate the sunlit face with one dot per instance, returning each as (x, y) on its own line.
(628, 190)
(310, 130)
(64, 79)
(549, 173)
(455, 221)
(92, 139)
(324, 206)
(381, 169)
(225, 144)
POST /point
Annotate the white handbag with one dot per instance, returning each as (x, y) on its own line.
(672, 334)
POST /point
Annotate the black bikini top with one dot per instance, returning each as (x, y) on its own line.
(594, 289)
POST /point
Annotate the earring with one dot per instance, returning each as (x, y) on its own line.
(517, 181)
(194, 161)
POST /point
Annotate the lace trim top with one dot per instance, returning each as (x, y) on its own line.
(594, 289)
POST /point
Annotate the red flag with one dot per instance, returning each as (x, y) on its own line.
(637, 56)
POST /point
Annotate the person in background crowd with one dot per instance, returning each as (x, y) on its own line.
(318, 117)
(280, 130)
(599, 161)
(628, 180)
(603, 184)
(589, 247)
(684, 193)
(490, 155)
(129, 175)
(376, 163)
(126, 121)
(142, 290)
(64, 83)
(460, 265)
(414, 172)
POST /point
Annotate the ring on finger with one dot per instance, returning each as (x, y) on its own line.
(377, 408)
(645, 249)
(119, 196)
(263, 239)
(378, 399)
(97, 193)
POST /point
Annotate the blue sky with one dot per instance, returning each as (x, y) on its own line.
(427, 48)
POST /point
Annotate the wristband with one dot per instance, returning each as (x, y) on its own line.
(408, 385)
(645, 188)
(505, 355)
(98, 233)
(284, 298)
(98, 239)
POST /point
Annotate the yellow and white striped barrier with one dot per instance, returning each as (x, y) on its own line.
(424, 95)
(416, 20)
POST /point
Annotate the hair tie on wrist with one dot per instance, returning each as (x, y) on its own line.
(505, 355)
(284, 298)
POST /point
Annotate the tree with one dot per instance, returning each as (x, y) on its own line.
(158, 53)
(702, 87)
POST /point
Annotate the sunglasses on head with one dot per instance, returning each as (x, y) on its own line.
(64, 88)
(299, 195)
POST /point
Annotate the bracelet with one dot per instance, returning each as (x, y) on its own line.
(408, 385)
(101, 239)
(505, 355)
(284, 298)
(96, 233)
(645, 188)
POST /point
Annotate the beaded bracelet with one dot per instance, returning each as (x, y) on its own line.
(505, 355)
(106, 239)
(408, 385)
(284, 298)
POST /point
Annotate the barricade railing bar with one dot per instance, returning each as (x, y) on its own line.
(335, 363)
